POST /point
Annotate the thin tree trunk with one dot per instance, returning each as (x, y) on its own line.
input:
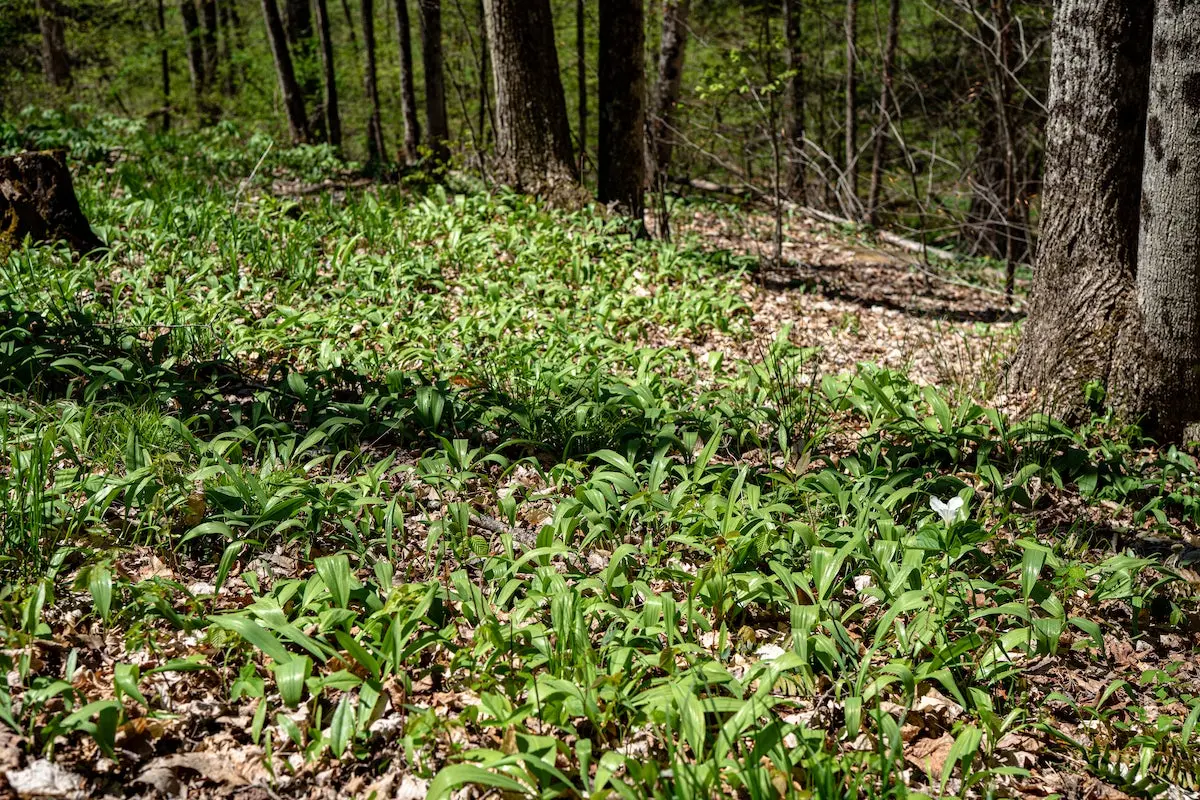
(666, 89)
(56, 66)
(165, 67)
(1168, 264)
(408, 95)
(376, 151)
(851, 164)
(350, 26)
(333, 119)
(195, 48)
(581, 79)
(1082, 318)
(298, 25)
(435, 80)
(622, 151)
(485, 110)
(293, 97)
(795, 100)
(533, 138)
(881, 129)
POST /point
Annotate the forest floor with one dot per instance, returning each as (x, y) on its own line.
(379, 492)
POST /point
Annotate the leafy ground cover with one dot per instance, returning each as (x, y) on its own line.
(403, 490)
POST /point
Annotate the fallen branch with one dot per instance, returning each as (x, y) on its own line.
(884, 236)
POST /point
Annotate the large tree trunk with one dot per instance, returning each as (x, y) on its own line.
(1168, 264)
(666, 90)
(533, 139)
(885, 116)
(55, 64)
(37, 199)
(851, 164)
(293, 98)
(1082, 316)
(329, 106)
(408, 94)
(298, 26)
(195, 48)
(376, 151)
(795, 100)
(435, 80)
(208, 39)
(622, 153)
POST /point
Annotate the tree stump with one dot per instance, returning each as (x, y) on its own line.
(37, 199)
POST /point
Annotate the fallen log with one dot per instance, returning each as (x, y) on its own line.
(37, 199)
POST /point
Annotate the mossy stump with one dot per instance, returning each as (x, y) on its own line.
(37, 199)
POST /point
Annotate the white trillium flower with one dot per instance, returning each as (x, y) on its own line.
(948, 509)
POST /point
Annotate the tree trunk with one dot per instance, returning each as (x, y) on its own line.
(208, 39)
(55, 64)
(37, 199)
(622, 148)
(852, 106)
(1082, 317)
(376, 151)
(435, 80)
(350, 26)
(1168, 259)
(195, 48)
(333, 119)
(795, 100)
(666, 90)
(533, 139)
(485, 111)
(408, 95)
(165, 66)
(298, 25)
(885, 98)
(293, 98)
(225, 23)
(581, 80)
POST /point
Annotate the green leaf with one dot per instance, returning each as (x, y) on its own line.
(290, 677)
(458, 775)
(255, 634)
(341, 727)
(964, 750)
(335, 572)
(100, 587)
(125, 680)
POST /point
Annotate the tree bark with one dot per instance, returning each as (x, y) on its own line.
(795, 100)
(333, 118)
(1168, 259)
(885, 116)
(298, 26)
(208, 39)
(1082, 317)
(581, 85)
(671, 53)
(56, 66)
(408, 95)
(37, 199)
(195, 48)
(376, 151)
(293, 98)
(165, 66)
(533, 139)
(435, 80)
(622, 153)
(851, 164)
